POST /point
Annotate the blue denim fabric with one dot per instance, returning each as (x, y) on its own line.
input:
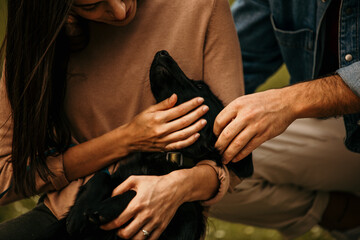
(273, 32)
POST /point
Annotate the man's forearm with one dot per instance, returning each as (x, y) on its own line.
(324, 97)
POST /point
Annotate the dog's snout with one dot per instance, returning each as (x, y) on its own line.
(163, 53)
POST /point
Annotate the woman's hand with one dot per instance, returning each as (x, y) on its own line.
(249, 121)
(156, 201)
(161, 127)
(158, 198)
(165, 127)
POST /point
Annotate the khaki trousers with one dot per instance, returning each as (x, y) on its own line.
(293, 174)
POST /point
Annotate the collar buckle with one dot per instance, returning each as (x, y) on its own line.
(175, 157)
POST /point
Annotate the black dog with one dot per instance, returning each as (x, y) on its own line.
(93, 205)
(166, 78)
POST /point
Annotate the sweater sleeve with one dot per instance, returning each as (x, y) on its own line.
(55, 164)
(222, 72)
(224, 179)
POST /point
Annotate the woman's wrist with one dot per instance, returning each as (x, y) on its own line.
(196, 184)
(95, 154)
(122, 143)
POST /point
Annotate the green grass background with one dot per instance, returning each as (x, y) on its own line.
(217, 229)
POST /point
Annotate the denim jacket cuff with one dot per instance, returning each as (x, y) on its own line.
(351, 76)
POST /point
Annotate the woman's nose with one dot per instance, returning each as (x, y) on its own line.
(117, 9)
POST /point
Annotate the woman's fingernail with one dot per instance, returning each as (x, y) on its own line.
(203, 122)
(200, 100)
(205, 108)
(197, 135)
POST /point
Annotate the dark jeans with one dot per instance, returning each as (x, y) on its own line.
(37, 224)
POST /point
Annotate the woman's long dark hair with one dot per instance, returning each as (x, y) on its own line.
(36, 60)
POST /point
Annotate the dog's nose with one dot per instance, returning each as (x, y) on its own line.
(163, 53)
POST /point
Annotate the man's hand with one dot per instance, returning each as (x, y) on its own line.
(249, 121)
(252, 119)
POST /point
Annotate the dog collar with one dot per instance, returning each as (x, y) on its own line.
(179, 159)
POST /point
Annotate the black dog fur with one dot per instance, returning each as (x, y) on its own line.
(93, 205)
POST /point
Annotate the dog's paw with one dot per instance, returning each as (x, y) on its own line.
(110, 208)
(76, 221)
(96, 218)
(90, 195)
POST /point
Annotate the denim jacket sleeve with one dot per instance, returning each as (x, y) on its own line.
(292, 31)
